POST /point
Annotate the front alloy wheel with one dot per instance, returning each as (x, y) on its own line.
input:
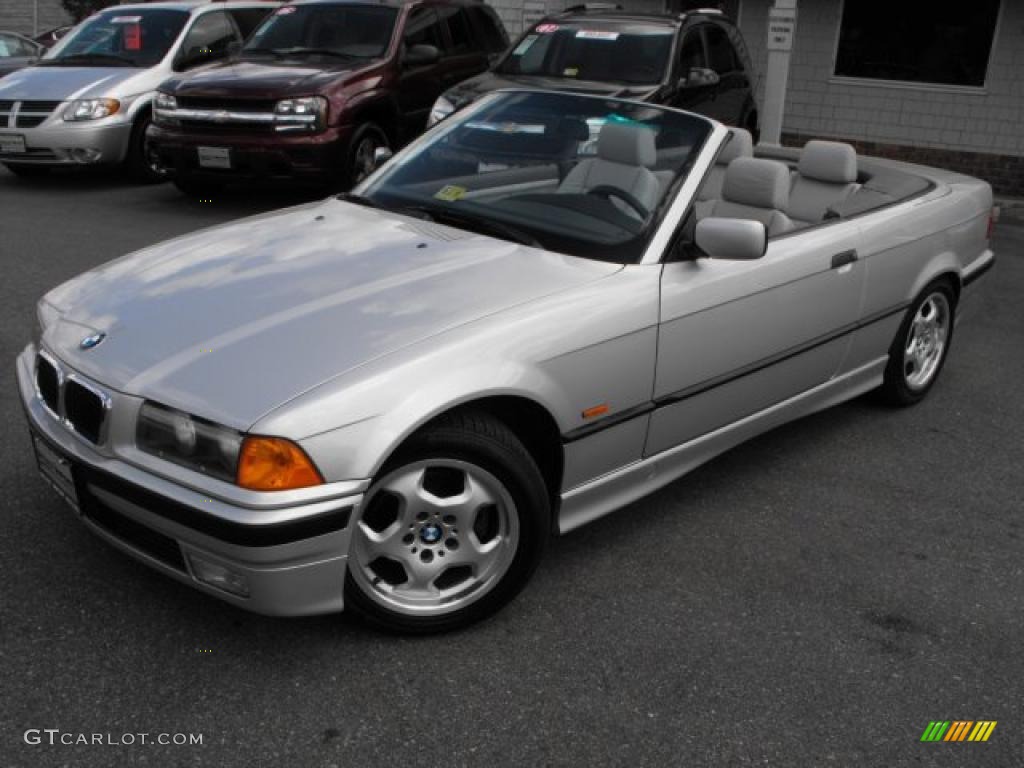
(450, 531)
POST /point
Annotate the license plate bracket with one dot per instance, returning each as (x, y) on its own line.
(12, 144)
(214, 157)
(56, 470)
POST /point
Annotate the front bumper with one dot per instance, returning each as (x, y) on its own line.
(292, 557)
(313, 157)
(56, 143)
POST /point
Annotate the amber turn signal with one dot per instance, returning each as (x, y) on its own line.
(275, 464)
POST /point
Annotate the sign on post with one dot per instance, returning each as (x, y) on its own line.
(781, 23)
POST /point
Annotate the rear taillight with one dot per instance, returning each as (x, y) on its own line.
(993, 217)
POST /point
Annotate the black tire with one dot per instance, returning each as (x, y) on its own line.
(199, 188)
(479, 440)
(358, 155)
(906, 381)
(27, 171)
(140, 162)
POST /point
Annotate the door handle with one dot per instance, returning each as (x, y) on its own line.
(844, 258)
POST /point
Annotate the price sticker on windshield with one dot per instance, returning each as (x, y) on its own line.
(126, 20)
(450, 193)
(546, 29)
(285, 11)
(133, 37)
(597, 34)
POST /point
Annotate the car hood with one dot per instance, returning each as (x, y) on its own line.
(257, 79)
(233, 322)
(63, 83)
(471, 89)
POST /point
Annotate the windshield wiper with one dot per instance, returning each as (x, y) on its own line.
(476, 224)
(315, 52)
(78, 58)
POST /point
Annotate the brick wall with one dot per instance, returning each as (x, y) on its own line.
(17, 15)
(982, 128)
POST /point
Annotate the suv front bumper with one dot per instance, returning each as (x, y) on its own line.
(293, 563)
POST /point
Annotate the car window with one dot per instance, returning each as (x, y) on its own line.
(692, 53)
(489, 28)
(247, 19)
(208, 39)
(459, 30)
(621, 52)
(340, 30)
(424, 28)
(139, 37)
(720, 52)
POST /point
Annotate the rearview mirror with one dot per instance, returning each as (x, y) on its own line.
(700, 76)
(422, 55)
(733, 239)
(380, 156)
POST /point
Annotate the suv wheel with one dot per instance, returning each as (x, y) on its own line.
(142, 162)
(359, 158)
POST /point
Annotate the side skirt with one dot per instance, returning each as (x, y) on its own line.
(605, 494)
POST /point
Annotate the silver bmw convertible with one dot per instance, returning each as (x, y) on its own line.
(545, 308)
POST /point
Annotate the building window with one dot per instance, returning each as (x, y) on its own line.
(917, 41)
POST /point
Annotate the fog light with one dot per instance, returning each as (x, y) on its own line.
(218, 576)
(85, 155)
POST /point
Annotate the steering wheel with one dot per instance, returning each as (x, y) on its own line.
(607, 191)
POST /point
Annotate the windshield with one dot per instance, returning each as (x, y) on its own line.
(619, 52)
(575, 174)
(351, 31)
(128, 38)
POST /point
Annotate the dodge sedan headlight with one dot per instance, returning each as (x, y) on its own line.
(187, 440)
(441, 109)
(309, 112)
(91, 109)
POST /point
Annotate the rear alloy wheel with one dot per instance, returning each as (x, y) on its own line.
(451, 529)
(920, 347)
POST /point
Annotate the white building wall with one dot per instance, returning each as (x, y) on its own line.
(985, 120)
(18, 15)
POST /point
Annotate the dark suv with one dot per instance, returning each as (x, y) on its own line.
(318, 88)
(695, 61)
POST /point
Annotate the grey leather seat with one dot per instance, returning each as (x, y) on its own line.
(625, 155)
(754, 189)
(740, 145)
(825, 176)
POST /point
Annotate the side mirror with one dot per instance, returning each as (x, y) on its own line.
(422, 55)
(733, 239)
(380, 156)
(698, 76)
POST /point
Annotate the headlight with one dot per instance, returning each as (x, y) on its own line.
(91, 109)
(441, 109)
(309, 112)
(254, 462)
(189, 441)
(165, 101)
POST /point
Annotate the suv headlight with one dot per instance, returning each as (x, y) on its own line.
(192, 442)
(441, 109)
(308, 112)
(162, 104)
(91, 109)
(165, 101)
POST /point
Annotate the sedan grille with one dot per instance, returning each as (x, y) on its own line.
(82, 407)
(48, 383)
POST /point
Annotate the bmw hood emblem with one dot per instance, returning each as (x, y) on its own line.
(92, 341)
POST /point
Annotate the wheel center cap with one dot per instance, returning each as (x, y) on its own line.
(430, 534)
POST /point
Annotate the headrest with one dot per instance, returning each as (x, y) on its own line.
(626, 144)
(757, 182)
(740, 145)
(830, 161)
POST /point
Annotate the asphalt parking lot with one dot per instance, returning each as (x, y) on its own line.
(812, 598)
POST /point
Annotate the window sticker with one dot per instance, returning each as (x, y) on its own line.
(284, 11)
(571, 71)
(126, 20)
(133, 37)
(545, 29)
(449, 193)
(525, 45)
(596, 34)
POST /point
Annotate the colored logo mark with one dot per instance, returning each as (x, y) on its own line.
(958, 730)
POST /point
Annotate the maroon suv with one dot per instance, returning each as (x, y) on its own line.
(319, 86)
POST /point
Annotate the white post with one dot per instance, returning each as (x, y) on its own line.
(781, 26)
(35, 17)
